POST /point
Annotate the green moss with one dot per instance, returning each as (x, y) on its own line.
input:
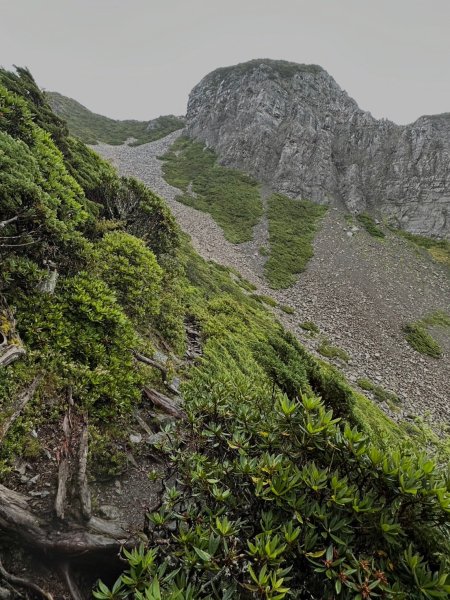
(286, 309)
(309, 326)
(379, 392)
(265, 299)
(292, 225)
(419, 339)
(229, 196)
(330, 351)
(370, 226)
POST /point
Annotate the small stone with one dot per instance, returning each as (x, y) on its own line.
(118, 486)
(135, 438)
(109, 512)
(5, 594)
(33, 479)
(156, 438)
(34, 433)
(42, 494)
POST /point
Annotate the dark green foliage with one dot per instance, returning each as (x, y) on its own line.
(370, 226)
(92, 128)
(419, 339)
(309, 326)
(292, 225)
(330, 351)
(231, 197)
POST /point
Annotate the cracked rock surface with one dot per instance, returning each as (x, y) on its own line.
(295, 129)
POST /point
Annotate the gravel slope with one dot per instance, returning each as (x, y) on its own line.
(357, 289)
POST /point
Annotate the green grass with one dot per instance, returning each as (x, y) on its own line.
(309, 326)
(263, 251)
(92, 128)
(330, 351)
(370, 226)
(232, 198)
(419, 339)
(265, 300)
(439, 250)
(292, 225)
(287, 309)
(382, 395)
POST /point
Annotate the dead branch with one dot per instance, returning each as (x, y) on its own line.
(63, 476)
(85, 496)
(164, 403)
(64, 469)
(151, 362)
(20, 404)
(9, 354)
(25, 583)
(8, 221)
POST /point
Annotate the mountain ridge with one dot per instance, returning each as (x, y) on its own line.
(294, 128)
(93, 128)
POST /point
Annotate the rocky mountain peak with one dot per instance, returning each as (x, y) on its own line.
(295, 129)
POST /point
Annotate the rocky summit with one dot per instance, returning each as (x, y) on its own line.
(295, 129)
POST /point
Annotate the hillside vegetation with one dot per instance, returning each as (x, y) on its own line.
(231, 197)
(276, 479)
(92, 128)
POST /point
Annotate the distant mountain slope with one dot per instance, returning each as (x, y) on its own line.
(292, 127)
(92, 128)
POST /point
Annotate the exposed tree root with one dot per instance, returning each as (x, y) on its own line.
(151, 362)
(22, 400)
(165, 403)
(21, 523)
(24, 583)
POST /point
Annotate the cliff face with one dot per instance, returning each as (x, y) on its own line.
(294, 128)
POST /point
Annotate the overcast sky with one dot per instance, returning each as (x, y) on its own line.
(140, 58)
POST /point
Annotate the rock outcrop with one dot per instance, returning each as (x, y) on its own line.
(294, 128)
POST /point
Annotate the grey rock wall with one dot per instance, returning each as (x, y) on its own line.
(295, 129)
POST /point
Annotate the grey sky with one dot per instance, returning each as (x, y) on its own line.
(140, 58)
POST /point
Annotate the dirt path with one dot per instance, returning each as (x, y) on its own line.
(357, 289)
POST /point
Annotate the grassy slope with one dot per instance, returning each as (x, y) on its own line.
(253, 439)
(92, 128)
(292, 225)
(231, 197)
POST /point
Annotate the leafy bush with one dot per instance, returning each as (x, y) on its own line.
(272, 502)
(131, 270)
(292, 225)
